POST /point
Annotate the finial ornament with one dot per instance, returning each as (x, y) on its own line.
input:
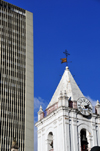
(65, 92)
(61, 93)
(97, 103)
(41, 108)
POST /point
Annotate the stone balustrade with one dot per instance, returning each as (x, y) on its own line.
(72, 104)
(49, 110)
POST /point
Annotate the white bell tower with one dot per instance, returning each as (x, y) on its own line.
(68, 123)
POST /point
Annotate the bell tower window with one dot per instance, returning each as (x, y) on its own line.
(84, 142)
(50, 142)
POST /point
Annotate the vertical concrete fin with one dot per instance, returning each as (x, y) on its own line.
(29, 125)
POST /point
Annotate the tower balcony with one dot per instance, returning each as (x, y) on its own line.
(49, 111)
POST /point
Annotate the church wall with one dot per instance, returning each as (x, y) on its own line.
(98, 131)
(52, 123)
(69, 117)
(66, 124)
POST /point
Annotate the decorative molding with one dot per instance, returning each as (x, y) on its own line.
(55, 122)
(74, 120)
(39, 132)
(43, 129)
(59, 119)
(66, 118)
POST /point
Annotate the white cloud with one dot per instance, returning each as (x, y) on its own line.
(92, 100)
(37, 102)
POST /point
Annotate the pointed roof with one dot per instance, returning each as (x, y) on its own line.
(68, 84)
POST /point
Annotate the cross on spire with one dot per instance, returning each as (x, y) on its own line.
(67, 54)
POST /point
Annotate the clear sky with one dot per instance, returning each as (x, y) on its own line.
(64, 24)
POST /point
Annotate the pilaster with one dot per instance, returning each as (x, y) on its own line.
(74, 130)
(39, 141)
(99, 131)
(79, 142)
(67, 137)
(47, 146)
(94, 130)
(61, 134)
(55, 138)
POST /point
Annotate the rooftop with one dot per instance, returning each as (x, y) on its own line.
(67, 84)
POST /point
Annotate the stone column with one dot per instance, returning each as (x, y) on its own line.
(60, 99)
(79, 141)
(60, 134)
(67, 137)
(43, 139)
(65, 99)
(55, 138)
(39, 141)
(89, 139)
(74, 131)
(94, 130)
(47, 145)
(98, 132)
(54, 144)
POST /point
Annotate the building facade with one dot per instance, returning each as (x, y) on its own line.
(69, 122)
(16, 77)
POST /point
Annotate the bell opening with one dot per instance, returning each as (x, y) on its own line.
(84, 142)
(50, 141)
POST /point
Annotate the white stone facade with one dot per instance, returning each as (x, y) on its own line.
(63, 123)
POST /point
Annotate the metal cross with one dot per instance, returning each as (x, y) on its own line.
(67, 54)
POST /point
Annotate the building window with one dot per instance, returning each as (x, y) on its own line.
(50, 141)
(84, 142)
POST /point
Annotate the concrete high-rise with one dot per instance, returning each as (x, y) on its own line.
(16, 77)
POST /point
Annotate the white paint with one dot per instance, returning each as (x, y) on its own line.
(66, 123)
(68, 84)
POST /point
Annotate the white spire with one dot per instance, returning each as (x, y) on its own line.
(41, 110)
(67, 84)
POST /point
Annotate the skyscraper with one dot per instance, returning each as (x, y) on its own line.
(16, 77)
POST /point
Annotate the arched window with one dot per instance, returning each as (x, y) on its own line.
(84, 142)
(50, 141)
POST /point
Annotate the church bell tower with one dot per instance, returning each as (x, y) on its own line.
(69, 122)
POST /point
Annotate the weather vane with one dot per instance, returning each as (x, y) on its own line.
(63, 60)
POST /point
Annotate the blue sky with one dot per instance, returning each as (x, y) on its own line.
(64, 24)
